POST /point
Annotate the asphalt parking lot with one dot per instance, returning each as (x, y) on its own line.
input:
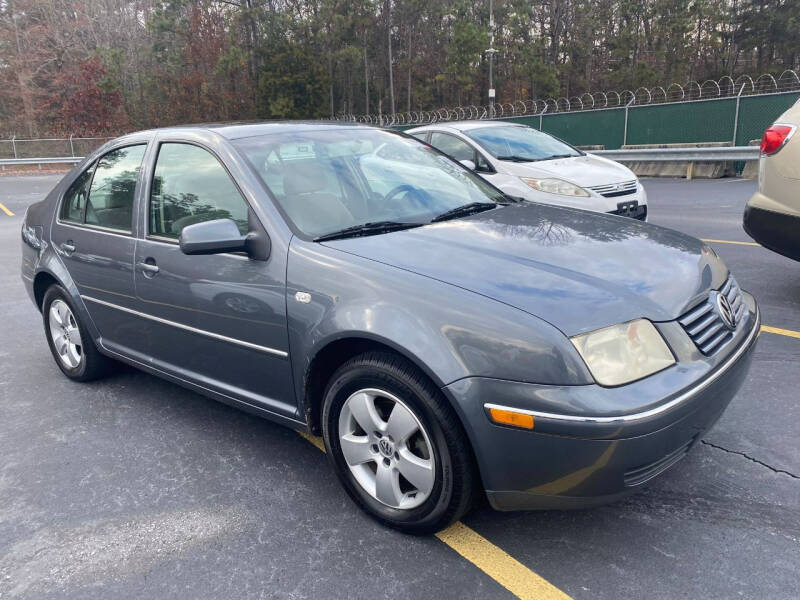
(133, 487)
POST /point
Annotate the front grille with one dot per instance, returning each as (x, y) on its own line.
(612, 190)
(706, 327)
(632, 209)
(639, 475)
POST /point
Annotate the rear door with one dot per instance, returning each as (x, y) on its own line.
(93, 235)
(218, 320)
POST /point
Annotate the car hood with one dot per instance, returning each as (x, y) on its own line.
(586, 171)
(577, 270)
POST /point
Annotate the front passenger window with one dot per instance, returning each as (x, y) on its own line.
(481, 164)
(110, 202)
(191, 186)
(452, 146)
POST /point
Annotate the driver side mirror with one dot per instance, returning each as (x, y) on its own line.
(212, 237)
(469, 164)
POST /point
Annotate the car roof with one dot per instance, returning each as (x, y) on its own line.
(243, 129)
(466, 125)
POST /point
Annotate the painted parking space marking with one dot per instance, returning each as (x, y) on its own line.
(314, 439)
(729, 242)
(5, 210)
(495, 562)
(498, 564)
(779, 331)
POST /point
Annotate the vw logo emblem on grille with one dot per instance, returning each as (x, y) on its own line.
(725, 312)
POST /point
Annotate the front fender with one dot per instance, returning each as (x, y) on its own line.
(450, 332)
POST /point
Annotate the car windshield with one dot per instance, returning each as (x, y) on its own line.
(329, 180)
(520, 143)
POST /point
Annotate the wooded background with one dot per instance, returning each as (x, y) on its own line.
(99, 67)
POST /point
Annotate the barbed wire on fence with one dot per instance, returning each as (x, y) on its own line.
(724, 87)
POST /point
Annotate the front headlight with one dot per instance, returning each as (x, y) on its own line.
(555, 186)
(624, 353)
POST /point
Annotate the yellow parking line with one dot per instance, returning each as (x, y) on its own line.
(5, 210)
(314, 439)
(779, 331)
(496, 563)
(730, 242)
(499, 565)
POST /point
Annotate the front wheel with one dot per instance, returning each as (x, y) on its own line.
(396, 444)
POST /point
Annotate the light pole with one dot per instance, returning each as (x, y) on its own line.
(491, 51)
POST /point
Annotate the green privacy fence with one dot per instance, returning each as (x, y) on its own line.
(713, 120)
(679, 122)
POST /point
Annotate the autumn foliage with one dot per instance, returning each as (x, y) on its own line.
(101, 67)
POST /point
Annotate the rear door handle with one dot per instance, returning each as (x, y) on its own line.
(67, 247)
(149, 269)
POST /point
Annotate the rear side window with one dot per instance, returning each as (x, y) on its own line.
(191, 186)
(110, 202)
(452, 146)
(75, 198)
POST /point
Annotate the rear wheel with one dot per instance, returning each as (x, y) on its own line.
(71, 345)
(396, 445)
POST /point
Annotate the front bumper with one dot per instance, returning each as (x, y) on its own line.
(575, 460)
(629, 205)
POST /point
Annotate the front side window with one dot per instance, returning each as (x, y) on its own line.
(481, 164)
(191, 186)
(110, 202)
(328, 180)
(75, 198)
(452, 146)
(523, 144)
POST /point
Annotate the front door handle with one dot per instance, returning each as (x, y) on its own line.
(67, 247)
(149, 267)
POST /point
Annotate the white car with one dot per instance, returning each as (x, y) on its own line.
(529, 164)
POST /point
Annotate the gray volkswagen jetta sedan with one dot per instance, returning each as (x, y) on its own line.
(447, 341)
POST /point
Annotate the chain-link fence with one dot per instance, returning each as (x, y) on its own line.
(49, 147)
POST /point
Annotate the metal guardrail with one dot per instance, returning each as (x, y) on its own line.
(57, 160)
(628, 155)
(730, 153)
(62, 160)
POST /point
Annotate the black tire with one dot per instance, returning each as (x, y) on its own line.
(93, 365)
(455, 478)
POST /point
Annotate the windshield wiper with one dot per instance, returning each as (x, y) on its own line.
(366, 229)
(515, 158)
(560, 156)
(464, 210)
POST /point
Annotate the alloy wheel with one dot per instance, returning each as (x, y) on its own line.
(65, 334)
(386, 448)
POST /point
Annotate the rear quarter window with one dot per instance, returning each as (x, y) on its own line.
(75, 198)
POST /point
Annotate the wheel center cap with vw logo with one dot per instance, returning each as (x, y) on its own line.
(725, 312)
(386, 447)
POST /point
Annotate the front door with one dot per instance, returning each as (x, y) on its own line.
(93, 235)
(217, 320)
